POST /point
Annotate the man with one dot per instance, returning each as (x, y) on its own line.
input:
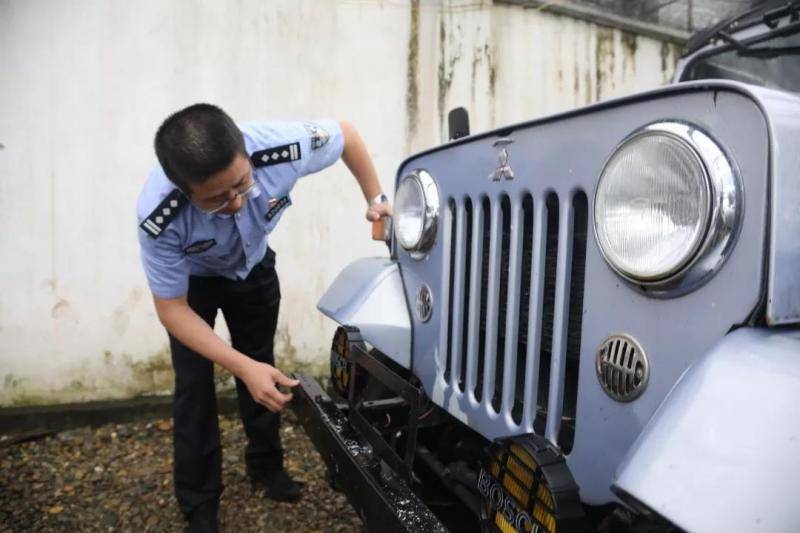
(204, 219)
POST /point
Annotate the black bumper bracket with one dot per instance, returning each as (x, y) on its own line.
(381, 497)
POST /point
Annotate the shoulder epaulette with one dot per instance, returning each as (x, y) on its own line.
(165, 213)
(274, 156)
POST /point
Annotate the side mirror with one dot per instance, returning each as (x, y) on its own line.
(458, 123)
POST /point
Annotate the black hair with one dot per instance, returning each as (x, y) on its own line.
(195, 143)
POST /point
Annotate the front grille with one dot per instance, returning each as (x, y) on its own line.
(514, 270)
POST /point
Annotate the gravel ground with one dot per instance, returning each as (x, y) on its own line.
(119, 478)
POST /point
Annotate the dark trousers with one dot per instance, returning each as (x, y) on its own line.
(250, 308)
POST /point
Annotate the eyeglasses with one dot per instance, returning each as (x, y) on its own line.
(244, 192)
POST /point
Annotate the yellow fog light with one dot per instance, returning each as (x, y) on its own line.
(341, 365)
(527, 487)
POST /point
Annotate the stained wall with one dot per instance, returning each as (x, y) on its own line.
(85, 84)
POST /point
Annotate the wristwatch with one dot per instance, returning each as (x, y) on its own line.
(379, 199)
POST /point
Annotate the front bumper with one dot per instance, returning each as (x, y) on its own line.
(381, 497)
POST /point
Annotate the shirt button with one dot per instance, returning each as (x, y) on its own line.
(238, 215)
(247, 244)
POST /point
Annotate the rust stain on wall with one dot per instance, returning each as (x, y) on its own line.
(629, 46)
(412, 87)
(476, 61)
(604, 61)
(492, 82)
(446, 70)
(121, 316)
(288, 361)
(670, 53)
(60, 309)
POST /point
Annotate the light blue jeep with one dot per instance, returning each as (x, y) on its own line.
(590, 320)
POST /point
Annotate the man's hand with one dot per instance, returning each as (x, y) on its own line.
(375, 212)
(262, 381)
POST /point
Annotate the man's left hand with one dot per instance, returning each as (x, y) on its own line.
(375, 212)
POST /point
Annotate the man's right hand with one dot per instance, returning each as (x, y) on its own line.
(262, 381)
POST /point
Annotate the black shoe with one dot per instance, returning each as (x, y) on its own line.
(277, 484)
(203, 519)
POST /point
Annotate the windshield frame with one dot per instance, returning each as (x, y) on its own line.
(723, 47)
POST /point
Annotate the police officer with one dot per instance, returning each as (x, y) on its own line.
(204, 219)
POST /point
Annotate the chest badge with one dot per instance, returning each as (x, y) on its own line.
(276, 205)
(199, 246)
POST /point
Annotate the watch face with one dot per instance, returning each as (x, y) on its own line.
(380, 199)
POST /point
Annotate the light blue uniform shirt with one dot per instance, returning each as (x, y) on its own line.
(178, 240)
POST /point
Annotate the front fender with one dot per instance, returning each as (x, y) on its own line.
(722, 452)
(368, 294)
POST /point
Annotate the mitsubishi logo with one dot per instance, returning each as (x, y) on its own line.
(504, 170)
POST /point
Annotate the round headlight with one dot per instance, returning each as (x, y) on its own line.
(416, 212)
(664, 200)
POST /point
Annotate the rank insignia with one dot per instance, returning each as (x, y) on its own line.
(277, 155)
(165, 213)
(276, 205)
(200, 246)
(319, 136)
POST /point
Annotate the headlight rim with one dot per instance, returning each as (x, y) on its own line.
(430, 195)
(723, 221)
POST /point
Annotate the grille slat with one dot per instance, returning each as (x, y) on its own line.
(510, 312)
(548, 314)
(526, 267)
(476, 320)
(446, 307)
(503, 302)
(474, 300)
(512, 306)
(492, 306)
(468, 283)
(560, 320)
(457, 273)
(451, 311)
(538, 259)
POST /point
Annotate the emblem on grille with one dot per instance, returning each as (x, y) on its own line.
(504, 170)
(622, 368)
(424, 303)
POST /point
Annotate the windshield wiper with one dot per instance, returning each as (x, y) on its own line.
(748, 50)
(769, 52)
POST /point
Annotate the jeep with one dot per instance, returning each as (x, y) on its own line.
(587, 321)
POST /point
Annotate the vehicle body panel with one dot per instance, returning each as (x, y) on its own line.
(722, 453)
(368, 294)
(783, 109)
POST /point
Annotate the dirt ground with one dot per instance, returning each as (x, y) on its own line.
(119, 478)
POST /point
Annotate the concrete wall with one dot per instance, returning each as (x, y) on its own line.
(85, 83)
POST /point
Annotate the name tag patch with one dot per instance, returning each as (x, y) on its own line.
(200, 246)
(276, 205)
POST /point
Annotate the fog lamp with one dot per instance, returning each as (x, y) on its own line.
(526, 486)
